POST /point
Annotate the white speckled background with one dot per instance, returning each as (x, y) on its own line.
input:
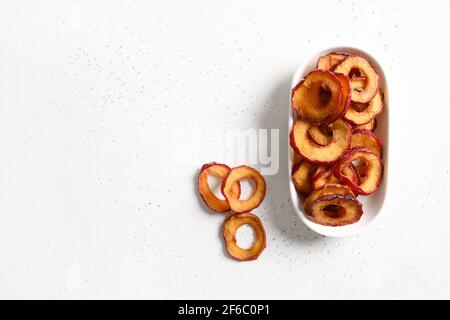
(91, 206)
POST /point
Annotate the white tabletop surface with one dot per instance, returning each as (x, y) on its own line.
(93, 203)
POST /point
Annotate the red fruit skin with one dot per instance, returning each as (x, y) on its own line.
(355, 174)
(204, 167)
(346, 197)
(296, 166)
(338, 171)
(314, 162)
(326, 121)
(317, 175)
(373, 67)
(255, 256)
(343, 53)
(368, 60)
(348, 54)
(346, 97)
(353, 124)
(292, 142)
(372, 134)
(209, 164)
(349, 121)
(223, 186)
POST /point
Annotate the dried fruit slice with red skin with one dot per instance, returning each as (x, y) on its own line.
(324, 176)
(341, 53)
(320, 155)
(366, 139)
(336, 210)
(239, 173)
(361, 168)
(345, 99)
(355, 117)
(307, 97)
(324, 63)
(229, 229)
(331, 60)
(211, 200)
(321, 135)
(301, 176)
(366, 93)
(351, 173)
(326, 190)
(370, 182)
(371, 125)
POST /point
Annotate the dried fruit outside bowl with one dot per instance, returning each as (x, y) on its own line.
(372, 204)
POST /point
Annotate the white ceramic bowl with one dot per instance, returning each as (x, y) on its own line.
(372, 204)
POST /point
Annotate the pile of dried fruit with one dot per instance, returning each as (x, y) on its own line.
(231, 190)
(338, 155)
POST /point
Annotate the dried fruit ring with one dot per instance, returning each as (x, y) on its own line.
(336, 210)
(371, 180)
(325, 176)
(371, 84)
(301, 176)
(239, 173)
(371, 125)
(318, 96)
(366, 139)
(363, 113)
(331, 60)
(310, 151)
(229, 229)
(324, 191)
(322, 177)
(211, 200)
